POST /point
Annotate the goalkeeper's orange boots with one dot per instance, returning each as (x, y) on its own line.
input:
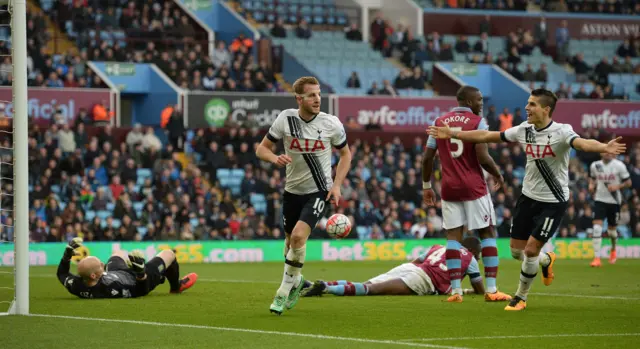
(596, 263)
(186, 283)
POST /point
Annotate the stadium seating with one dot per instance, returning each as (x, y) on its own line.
(329, 55)
(625, 84)
(322, 12)
(488, 4)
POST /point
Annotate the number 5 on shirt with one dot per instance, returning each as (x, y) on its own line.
(458, 143)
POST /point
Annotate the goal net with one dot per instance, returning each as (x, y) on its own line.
(14, 179)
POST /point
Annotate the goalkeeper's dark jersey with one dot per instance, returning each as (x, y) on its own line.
(112, 284)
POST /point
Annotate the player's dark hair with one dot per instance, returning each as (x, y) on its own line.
(546, 98)
(472, 244)
(465, 92)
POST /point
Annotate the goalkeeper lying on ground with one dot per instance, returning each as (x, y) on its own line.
(124, 276)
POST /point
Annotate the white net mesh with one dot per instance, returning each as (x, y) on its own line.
(7, 270)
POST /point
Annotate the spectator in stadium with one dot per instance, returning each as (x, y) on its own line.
(278, 30)
(482, 45)
(542, 74)
(626, 50)
(66, 139)
(175, 128)
(529, 74)
(403, 80)
(352, 33)
(562, 41)
(485, 25)
(462, 45)
(241, 44)
(378, 32)
(354, 80)
(506, 120)
(541, 33)
(581, 68)
(303, 30)
(134, 136)
(387, 89)
(373, 90)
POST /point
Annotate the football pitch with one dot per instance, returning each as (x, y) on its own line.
(229, 308)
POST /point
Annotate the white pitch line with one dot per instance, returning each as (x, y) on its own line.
(247, 330)
(240, 281)
(235, 281)
(585, 296)
(559, 335)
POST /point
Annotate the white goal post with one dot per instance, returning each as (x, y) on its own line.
(18, 12)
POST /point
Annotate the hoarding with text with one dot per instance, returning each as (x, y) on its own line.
(317, 250)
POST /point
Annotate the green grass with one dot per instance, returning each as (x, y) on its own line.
(238, 297)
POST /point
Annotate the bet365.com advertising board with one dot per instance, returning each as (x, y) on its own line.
(317, 250)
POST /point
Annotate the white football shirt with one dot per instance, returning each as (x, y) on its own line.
(548, 150)
(309, 144)
(605, 173)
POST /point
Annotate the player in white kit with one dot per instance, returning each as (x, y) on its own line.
(545, 190)
(308, 136)
(610, 176)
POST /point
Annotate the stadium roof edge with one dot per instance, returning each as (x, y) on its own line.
(566, 15)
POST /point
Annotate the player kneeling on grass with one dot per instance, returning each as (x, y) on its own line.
(426, 275)
(124, 276)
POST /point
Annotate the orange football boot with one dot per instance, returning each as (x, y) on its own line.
(613, 257)
(516, 304)
(497, 297)
(547, 272)
(187, 282)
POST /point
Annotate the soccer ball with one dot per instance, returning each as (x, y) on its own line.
(338, 226)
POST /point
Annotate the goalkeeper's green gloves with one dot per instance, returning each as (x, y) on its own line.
(69, 251)
(137, 261)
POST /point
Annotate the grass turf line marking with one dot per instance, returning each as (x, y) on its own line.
(238, 281)
(583, 296)
(559, 335)
(246, 330)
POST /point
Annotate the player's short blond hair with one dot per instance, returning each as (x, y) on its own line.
(298, 86)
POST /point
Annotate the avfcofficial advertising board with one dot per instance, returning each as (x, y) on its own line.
(392, 113)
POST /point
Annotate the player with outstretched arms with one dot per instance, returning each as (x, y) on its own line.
(466, 200)
(426, 275)
(124, 276)
(545, 193)
(610, 176)
(308, 136)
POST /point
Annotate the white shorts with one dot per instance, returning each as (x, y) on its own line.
(412, 276)
(475, 214)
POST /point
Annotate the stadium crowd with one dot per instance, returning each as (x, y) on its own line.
(45, 70)
(600, 7)
(147, 193)
(160, 32)
(412, 52)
